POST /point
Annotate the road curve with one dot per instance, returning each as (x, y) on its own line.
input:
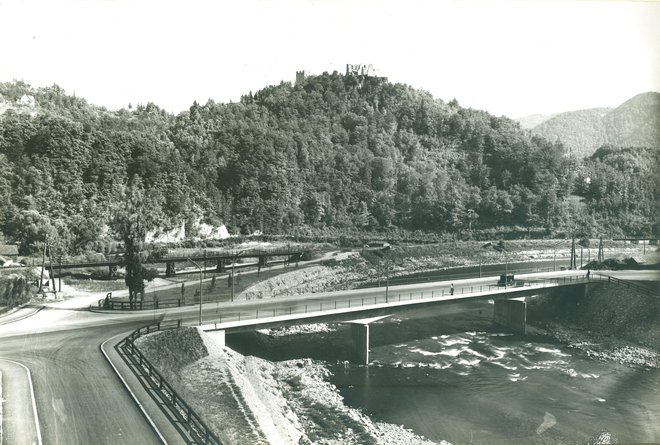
(79, 398)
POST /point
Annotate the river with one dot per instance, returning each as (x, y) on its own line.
(452, 375)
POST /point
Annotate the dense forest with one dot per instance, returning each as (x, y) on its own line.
(332, 152)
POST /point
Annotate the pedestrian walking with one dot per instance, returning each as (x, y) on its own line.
(588, 274)
(451, 289)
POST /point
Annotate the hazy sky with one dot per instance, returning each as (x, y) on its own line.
(507, 57)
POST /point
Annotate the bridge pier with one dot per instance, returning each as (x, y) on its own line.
(512, 314)
(220, 267)
(360, 334)
(170, 269)
(263, 261)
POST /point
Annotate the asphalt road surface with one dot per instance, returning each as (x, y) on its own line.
(79, 398)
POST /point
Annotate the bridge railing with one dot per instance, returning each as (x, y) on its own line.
(138, 305)
(389, 296)
(187, 422)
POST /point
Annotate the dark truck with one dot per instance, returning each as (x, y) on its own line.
(506, 280)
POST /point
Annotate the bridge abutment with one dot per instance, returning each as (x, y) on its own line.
(512, 314)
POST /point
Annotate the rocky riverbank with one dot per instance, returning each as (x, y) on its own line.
(603, 348)
(608, 322)
(248, 400)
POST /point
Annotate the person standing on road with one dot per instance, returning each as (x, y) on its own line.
(588, 273)
(451, 289)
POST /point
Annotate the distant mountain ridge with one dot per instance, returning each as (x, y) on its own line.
(635, 123)
(531, 121)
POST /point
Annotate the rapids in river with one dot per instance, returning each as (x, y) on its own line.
(453, 375)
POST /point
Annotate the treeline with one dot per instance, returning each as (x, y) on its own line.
(336, 153)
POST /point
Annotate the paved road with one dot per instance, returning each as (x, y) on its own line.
(79, 398)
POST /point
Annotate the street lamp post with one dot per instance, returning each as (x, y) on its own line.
(387, 282)
(200, 289)
(233, 278)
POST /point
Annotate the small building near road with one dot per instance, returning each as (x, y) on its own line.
(9, 251)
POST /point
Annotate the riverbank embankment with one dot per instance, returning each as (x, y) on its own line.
(609, 321)
(248, 400)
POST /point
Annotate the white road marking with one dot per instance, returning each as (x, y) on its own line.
(34, 403)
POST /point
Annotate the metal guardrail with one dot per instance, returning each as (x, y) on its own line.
(631, 285)
(188, 423)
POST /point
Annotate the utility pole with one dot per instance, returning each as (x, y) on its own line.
(59, 275)
(378, 273)
(580, 257)
(387, 282)
(232, 278)
(200, 289)
(573, 255)
(43, 266)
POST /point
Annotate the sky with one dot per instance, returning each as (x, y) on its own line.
(513, 58)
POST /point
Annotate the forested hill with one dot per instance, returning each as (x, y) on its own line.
(332, 152)
(635, 123)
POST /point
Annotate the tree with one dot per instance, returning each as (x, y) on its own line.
(133, 220)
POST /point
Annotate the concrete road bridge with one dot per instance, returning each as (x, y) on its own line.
(364, 306)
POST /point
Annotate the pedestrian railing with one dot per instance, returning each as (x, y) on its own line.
(138, 305)
(188, 423)
(310, 308)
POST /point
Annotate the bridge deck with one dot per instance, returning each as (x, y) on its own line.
(379, 302)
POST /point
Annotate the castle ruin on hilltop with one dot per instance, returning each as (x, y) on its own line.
(363, 69)
(360, 70)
